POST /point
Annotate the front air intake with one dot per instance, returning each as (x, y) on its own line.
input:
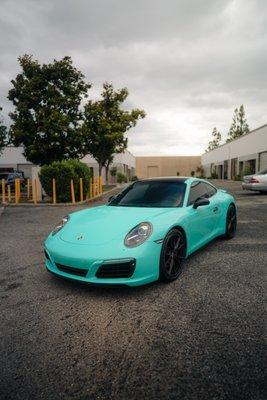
(119, 269)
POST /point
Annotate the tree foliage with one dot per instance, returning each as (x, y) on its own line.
(215, 142)
(3, 134)
(105, 125)
(47, 111)
(239, 125)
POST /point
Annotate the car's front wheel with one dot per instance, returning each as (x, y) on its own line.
(172, 256)
(231, 222)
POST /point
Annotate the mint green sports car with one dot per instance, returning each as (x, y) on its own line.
(143, 234)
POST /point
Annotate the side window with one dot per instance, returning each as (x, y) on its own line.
(210, 190)
(197, 189)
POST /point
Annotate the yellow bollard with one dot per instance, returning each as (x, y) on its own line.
(91, 188)
(54, 191)
(28, 188)
(19, 192)
(72, 192)
(9, 193)
(34, 191)
(100, 185)
(16, 191)
(96, 186)
(3, 191)
(81, 189)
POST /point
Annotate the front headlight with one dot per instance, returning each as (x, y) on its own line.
(138, 235)
(60, 225)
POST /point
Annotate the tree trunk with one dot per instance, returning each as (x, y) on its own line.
(107, 169)
(100, 166)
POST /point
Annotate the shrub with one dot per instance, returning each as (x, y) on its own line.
(121, 177)
(248, 170)
(63, 172)
(237, 178)
(113, 171)
(177, 173)
(192, 173)
(134, 178)
(200, 171)
(214, 175)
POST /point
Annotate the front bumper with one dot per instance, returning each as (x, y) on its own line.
(91, 258)
(254, 186)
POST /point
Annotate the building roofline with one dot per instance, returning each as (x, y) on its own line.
(238, 138)
(173, 155)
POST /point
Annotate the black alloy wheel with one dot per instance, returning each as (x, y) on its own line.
(172, 255)
(231, 222)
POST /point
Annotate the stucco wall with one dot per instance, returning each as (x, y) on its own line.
(166, 166)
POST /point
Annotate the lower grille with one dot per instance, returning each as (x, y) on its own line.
(71, 270)
(124, 269)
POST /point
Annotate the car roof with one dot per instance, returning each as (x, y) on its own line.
(165, 179)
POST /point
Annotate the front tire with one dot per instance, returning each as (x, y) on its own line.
(230, 222)
(172, 256)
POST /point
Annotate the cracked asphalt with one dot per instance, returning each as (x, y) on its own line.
(201, 337)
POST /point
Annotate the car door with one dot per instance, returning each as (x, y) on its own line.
(201, 221)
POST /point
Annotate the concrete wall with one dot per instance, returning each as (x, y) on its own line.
(124, 162)
(239, 153)
(150, 166)
(12, 157)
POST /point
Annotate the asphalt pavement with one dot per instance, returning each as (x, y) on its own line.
(201, 337)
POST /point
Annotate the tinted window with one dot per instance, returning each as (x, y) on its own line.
(151, 194)
(211, 191)
(197, 189)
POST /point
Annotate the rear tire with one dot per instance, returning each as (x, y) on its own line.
(230, 222)
(172, 256)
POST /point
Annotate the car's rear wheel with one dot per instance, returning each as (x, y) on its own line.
(172, 256)
(231, 222)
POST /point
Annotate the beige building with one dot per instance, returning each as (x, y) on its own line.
(152, 166)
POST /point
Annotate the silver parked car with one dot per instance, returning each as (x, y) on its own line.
(257, 181)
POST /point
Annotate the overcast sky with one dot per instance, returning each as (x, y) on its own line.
(187, 63)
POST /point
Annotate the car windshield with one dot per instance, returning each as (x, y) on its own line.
(263, 172)
(3, 176)
(151, 194)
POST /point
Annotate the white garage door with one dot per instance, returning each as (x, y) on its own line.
(263, 160)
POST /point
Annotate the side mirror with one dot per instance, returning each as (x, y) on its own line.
(110, 198)
(201, 201)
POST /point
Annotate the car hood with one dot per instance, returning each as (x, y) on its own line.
(100, 225)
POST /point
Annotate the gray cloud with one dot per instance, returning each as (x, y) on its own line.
(187, 63)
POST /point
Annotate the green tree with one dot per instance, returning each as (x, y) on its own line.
(3, 134)
(215, 142)
(239, 125)
(47, 111)
(106, 124)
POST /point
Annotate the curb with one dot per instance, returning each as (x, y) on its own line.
(59, 204)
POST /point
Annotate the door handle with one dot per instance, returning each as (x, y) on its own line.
(215, 209)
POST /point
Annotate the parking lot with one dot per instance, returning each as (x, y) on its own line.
(201, 337)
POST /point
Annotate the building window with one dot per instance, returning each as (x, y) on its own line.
(241, 168)
(225, 169)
